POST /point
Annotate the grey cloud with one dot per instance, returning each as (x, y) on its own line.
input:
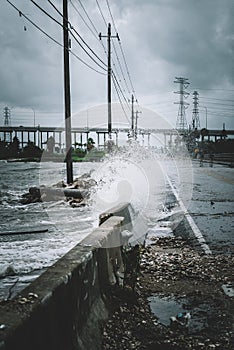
(161, 39)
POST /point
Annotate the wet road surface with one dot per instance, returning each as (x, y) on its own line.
(212, 205)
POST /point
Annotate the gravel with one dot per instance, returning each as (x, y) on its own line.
(171, 268)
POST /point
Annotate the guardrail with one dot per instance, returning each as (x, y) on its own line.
(222, 158)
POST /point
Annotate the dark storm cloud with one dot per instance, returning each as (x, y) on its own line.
(161, 39)
(29, 63)
(195, 38)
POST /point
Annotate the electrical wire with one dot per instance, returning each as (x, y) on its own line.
(80, 59)
(112, 19)
(51, 17)
(95, 29)
(127, 102)
(121, 69)
(95, 34)
(72, 28)
(90, 30)
(87, 52)
(119, 63)
(51, 38)
(214, 89)
(120, 101)
(100, 10)
(46, 13)
(214, 98)
(56, 9)
(124, 59)
(34, 24)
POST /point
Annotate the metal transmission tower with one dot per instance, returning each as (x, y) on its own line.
(7, 116)
(181, 123)
(195, 118)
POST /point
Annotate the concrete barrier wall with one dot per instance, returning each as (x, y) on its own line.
(62, 308)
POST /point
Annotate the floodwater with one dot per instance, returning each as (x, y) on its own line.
(135, 175)
(23, 257)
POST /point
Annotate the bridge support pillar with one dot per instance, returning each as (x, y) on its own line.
(22, 139)
(60, 141)
(98, 139)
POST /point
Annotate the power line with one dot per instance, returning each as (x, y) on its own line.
(34, 24)
(87, 15)
(51, 38)
(51, 17)
(217, 107)
(124, 59)
(215, 89)
(105, 22)
(88, 53)
(220, 114)
(95, 32)
(72, 28)
(108, 5)
(121, 69)
(46, 13)
(100, 10)
(121, 104)
(127, 102)
(214, 98)
(80, 59)
(219, 104)
(56, 9)
(91, 30)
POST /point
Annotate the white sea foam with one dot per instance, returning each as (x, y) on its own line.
(135, 175)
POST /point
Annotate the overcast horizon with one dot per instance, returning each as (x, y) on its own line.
(161, 40)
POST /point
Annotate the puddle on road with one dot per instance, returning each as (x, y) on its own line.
(165, 307)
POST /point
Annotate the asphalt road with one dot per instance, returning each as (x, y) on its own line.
(212, 205)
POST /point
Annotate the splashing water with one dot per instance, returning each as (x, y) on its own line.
(139, 176)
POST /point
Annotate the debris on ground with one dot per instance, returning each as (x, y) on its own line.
(199, 313)
(76, 194)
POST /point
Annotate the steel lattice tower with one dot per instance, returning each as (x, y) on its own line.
(7, 116)
(195, 118)
(181, 123)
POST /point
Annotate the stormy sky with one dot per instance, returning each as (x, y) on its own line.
(161, 40)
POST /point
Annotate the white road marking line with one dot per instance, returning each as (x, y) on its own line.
(190, 220)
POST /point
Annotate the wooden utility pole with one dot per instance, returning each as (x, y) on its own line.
(136, 124)
(109, 36)
(132, 126)
(132, 117)
(67, 96)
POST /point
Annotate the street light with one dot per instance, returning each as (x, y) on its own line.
(206, 114)
(34, 116)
